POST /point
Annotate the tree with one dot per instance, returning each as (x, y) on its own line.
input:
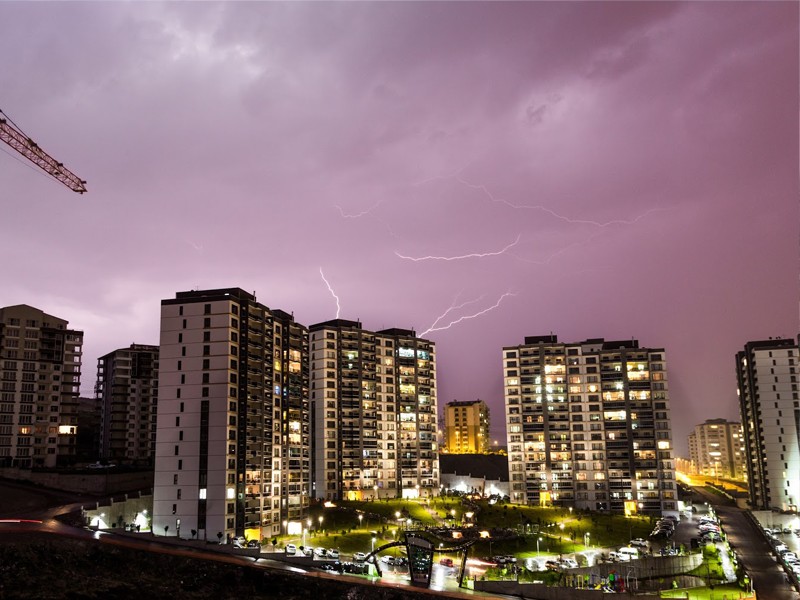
(219, 536)
(194, 533)
(166, 529)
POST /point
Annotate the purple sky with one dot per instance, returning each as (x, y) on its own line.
(630, 169)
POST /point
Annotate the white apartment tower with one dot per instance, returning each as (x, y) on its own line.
(373, 397)
(716, 449)
(40, 379)
(127, 391)
(588, 425)
(232, 443)
(768, 400)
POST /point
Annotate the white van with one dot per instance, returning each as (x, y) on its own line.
(629, 551)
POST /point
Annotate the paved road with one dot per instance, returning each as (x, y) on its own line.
(753, 550)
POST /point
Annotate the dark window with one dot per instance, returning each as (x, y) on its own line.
(207, 309)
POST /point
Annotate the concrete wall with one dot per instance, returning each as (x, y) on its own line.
(105, 482)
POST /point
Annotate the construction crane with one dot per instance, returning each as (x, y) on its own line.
(16, 138)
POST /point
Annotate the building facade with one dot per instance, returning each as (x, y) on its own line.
(588, 425)
(466, 427)
(373, 397)
(768, 400)
(233, 431)
(127, 391)
(40, 362)
(716, 449)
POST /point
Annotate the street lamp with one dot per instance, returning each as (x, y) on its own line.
(320, 521)
(453, 514)
(586, 539)
(304, 536)
(539, 539)
(285, 524)
(408, 523)
(373, 543)
(360, 518)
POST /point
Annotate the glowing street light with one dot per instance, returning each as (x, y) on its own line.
(360, 518)
(373, 543)
(586, 539)
(320, 521)
(539, 539)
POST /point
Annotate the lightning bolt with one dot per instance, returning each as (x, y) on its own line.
(551, 212)
(463, 256)
(344, 215)
(433, 327)
(330, 289)
(452, 308)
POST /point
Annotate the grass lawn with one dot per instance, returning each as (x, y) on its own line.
(711, 567)
(561, 531)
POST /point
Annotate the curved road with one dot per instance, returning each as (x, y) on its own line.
(754, 552)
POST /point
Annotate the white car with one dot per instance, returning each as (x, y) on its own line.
(569, 563)
(321, 552)
(333, 554)
(359, 556)
(639, 542)
(291, 549)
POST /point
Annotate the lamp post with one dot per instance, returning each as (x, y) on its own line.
(408, 523)
(373, 543)
(304, 536)
(285, 526)
(586, 539)
(453, 514)
(320, 522)
(539, 539)
(360, 518)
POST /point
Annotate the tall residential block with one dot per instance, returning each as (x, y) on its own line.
(716, 449)
(466, 427)
(373, 397)
(232, 442)
(40, 362)
(588, 425)
(127, 390)
(768, 400)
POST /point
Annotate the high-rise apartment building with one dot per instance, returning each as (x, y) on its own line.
(768, 400)
(588, 425)
(373, 396)
(466, 427)
(127, 390)
(232, 443)
(40, 362)
(716, 449)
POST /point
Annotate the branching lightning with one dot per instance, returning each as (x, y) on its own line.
(330, 289)
(551, 212)
(433, 327)
(452, 308)
(463, 256)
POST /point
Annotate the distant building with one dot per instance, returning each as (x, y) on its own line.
(373, 397)
(127, 389)
(766, 371)
(40, 362)
(89, 432)
(588, 425)
(716, 449)
(484, 474)
(233, 430)
(466, 427)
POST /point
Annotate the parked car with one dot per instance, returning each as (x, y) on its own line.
(639, 542)
(321, 552)
(569, 563)
(389, 560)
(359, 556)
(254, 544)
(308, 551)
(446, 561)
(551, 565)
(333, 554)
